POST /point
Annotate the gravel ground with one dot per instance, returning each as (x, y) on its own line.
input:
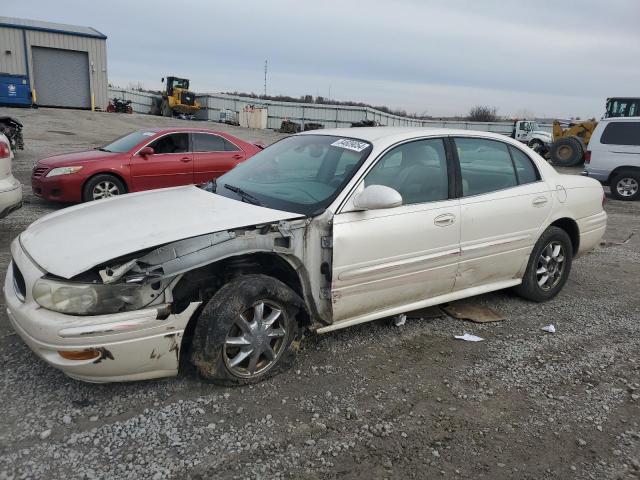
(373, 401)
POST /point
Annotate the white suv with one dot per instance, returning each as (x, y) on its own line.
(10, 188)
(613, 156)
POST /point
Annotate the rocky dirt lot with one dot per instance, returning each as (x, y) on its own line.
(373, 401)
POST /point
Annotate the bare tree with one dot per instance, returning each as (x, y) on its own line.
(138, 86)
(483, 113)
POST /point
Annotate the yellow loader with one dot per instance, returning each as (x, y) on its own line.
(176, 99)
(570, 143)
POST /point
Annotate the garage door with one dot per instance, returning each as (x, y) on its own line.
(61, 77)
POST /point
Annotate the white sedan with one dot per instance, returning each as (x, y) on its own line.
(10, 187)
(319, 231)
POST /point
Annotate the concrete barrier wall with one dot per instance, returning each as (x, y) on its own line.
(330, 116)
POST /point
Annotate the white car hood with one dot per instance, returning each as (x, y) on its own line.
(542, 133)
(75, 239)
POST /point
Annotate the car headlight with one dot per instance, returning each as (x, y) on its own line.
(63, 171)
(87, 298)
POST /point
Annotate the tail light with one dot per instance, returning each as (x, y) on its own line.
(4, 150)
(587, 156)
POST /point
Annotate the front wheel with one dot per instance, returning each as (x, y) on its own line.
(245, 331)
(549, 266)
(101, 187)
(567, 152)
(536, 145)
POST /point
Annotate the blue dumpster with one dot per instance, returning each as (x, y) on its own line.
(14, 90)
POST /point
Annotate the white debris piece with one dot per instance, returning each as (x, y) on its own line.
(400, 320)
(549, 329)
(467, 337)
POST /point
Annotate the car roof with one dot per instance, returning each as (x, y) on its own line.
(395, 134)
(621, 119)
(181, 129)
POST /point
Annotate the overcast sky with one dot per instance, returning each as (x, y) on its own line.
(551, 58)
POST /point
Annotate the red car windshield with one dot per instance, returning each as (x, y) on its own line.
(126, 143)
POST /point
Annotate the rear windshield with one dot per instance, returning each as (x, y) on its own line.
(128, 142)
(621, 133)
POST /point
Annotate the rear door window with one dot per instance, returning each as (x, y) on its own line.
(208, 142)
(485, 166)
(621, 133)
(526, 170)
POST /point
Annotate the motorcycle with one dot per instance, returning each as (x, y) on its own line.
(118, 105)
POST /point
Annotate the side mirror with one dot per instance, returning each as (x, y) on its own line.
(146, 151)
(375, 197)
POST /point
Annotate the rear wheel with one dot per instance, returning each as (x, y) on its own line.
(245, 331)
(101, 187)
(625, 186)
(166, 109)
(567, 152)
(549, 266)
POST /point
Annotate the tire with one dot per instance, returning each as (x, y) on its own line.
(535, 144)
(166, 109)
(102, 186)
(155, 106)
(228, 334)
(625, 186)
(567, 152)
(531, 287)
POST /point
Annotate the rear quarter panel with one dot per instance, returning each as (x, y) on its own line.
(581, 199)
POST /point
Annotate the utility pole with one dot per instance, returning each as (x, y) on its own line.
(265, 78)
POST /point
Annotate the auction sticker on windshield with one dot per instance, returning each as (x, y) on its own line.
(354, 145)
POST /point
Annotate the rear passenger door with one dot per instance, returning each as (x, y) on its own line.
(213, 156)
(503, 205)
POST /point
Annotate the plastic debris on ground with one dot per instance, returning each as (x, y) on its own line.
(400, 320)
(467, 337)
(549, 329)
(472, 311)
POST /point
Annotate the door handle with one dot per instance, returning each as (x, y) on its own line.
(185, 159)
(237, 156)
(444, 220)
(539, 201)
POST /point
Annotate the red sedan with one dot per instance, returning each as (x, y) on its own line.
(142, 160)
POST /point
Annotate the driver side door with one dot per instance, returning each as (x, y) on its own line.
(171, 165)
(387, 261)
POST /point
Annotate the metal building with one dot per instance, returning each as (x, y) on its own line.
(52, 64)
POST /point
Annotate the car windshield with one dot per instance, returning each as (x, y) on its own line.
(301, 174)
(126, 143)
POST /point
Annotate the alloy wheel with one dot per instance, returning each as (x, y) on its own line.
(627, 187)
(256, 340)
(550, 266)
(105, 189)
